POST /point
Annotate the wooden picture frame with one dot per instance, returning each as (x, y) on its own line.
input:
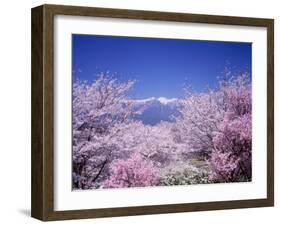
(42, 203)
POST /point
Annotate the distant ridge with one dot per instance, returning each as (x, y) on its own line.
(155, 110)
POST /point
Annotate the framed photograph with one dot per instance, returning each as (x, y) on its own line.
(141, 112)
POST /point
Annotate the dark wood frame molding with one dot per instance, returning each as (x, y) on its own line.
(42, 203)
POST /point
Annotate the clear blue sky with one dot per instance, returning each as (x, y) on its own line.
(160, 66)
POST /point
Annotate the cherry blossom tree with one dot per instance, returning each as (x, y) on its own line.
(232, 153)
(231, 158)
(156, 143)
(104, 130)
(100, 113)
(135, 171)
(218, 122)
(111, 149)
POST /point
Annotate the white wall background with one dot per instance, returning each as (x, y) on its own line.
(15, 112)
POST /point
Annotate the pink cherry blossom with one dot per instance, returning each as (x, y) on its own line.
(132, 172)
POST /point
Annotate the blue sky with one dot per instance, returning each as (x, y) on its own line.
(161, 67)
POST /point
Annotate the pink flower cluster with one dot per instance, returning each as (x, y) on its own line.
(232, 154)
(231, 157)
(133, 172)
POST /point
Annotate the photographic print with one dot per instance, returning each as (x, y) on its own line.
(160, 112)
(147, 112)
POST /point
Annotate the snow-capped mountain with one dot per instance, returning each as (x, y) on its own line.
(155, 110)
(162, 100)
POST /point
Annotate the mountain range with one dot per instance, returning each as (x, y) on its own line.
(154, 110)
